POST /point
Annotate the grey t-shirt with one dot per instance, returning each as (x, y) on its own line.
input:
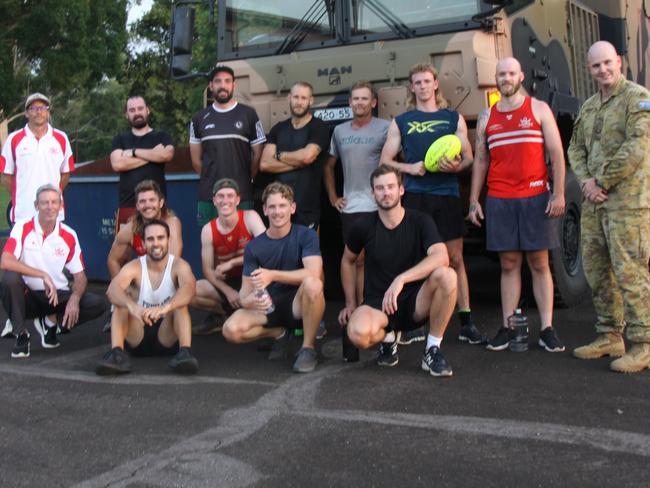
(359, 151)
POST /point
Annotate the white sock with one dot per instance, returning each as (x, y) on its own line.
(389, 337)
(433, 341)
(48, 322)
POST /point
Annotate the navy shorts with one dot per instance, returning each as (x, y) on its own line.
(282, 316)
(446, 210)
(403, 319)
(520, 224)
(150, 345)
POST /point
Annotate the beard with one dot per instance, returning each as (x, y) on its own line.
(297, 113)
(388, 204)
(223, 96)
(139, 122)
(509, 90)
(160, 257)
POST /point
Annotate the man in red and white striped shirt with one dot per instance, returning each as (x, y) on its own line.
(34, 284)
(35, 155)
(521, 211)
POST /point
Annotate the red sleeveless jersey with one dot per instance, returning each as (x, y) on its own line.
(516, 144)
(138, 245)
(231, 245)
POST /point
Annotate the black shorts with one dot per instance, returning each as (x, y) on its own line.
(348, 220)
(403, 319)
(235, 284)
(282, 316)
(150, 345)
(520, 224)
(446, 210)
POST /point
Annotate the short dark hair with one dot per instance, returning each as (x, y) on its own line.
(131, 97)
(159, 222)
(221, 68)
(384, 169)
(303, 84)
(364, 84)
(276, 187)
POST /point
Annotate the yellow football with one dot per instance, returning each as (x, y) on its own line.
(448, 146)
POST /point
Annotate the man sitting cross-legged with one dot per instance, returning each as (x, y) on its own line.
(285, 260)
(158, 323)
(407, 277)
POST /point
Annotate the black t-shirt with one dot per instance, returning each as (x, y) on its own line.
(226, 137)
(305, 182)
(390, 252)
(150, 171)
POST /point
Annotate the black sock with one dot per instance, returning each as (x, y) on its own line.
(465, 318)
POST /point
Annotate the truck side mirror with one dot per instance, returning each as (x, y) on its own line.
(499, 3)
(182, 36)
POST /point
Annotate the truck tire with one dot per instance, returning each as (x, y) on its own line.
(571, 286)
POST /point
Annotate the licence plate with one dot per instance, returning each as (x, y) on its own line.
(333, 114)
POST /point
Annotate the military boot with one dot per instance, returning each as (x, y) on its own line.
(635, 360)
(604, 345)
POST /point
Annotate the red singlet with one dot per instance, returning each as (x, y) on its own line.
(231, 245)
(516, 144)
(138, 245)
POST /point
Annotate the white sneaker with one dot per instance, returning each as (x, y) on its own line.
(8, 331)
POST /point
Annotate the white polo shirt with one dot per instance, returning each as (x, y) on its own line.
(49, 253)
(34, 162)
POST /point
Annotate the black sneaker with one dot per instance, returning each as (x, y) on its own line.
(213, 323)
(8, 330)
(471, 334)
(183, 362)
(435, 363)
(387, 355)
(47, 333)
(306, 361)
(411, 336)
(21, 348)
(548, 340)
(501, 340)
(280, 347)
(114, 362)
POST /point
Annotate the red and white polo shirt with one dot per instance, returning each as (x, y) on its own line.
(34, 162)
(49, 253)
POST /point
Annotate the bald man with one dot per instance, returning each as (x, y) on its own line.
(610, 154)
(521, 211)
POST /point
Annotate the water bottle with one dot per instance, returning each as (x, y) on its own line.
(350, 351)
(264, 295)
(518, 323)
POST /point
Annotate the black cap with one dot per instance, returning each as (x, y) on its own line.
(225, 183)
(221, 68)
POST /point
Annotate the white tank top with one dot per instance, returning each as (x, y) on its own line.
(154, 298)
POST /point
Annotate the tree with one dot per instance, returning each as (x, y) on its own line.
(60, 47)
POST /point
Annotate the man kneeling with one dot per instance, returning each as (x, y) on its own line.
(286, 262)
(407, 277)
(159, 322)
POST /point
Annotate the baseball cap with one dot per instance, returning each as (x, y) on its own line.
(225, 183)
(219, 68)
(36, 96)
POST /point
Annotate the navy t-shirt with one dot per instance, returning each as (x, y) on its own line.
(390, 252)
(419, 130)
(284, 254)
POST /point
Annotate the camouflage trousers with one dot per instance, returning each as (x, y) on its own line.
(615, 254)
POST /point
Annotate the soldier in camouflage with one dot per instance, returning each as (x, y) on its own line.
(610, 154)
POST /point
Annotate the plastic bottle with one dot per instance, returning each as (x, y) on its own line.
(350, 351)
(263, 294)
(518, 323)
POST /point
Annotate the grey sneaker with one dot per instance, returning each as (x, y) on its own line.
(306, 361)
(183, 362)
(280, 347)
(8, 331)
(114, 362)
(213, 323)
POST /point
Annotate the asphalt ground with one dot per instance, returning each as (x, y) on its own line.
(504, 419)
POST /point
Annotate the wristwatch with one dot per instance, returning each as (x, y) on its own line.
(277, 155)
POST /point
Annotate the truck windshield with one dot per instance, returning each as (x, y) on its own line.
(259, 27)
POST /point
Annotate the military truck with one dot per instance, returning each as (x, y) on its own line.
(333, 43)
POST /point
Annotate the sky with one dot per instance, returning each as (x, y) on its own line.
(137, 11)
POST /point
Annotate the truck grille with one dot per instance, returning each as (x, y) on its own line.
(583, 32)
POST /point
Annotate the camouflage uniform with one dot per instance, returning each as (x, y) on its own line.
(611, 143)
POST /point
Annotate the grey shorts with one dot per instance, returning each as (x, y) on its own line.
(520, 224)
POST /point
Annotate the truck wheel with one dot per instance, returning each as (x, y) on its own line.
(571, 286)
